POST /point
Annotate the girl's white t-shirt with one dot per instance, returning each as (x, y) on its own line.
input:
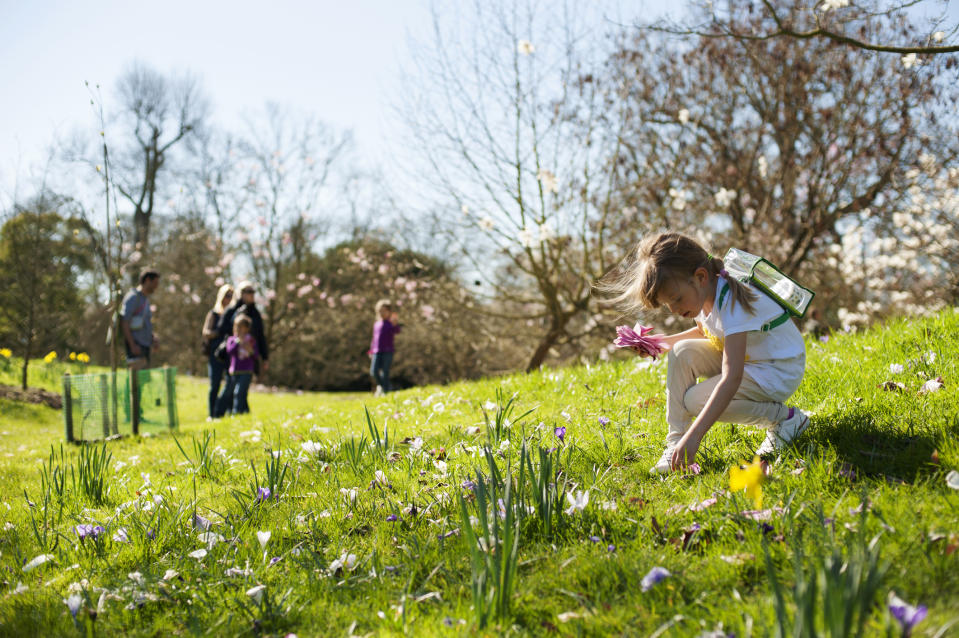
(782, 342)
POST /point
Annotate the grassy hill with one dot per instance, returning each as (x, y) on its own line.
(408, 526)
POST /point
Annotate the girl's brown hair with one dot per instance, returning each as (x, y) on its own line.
(660, 258)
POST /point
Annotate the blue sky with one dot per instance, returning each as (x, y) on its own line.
(336, 59)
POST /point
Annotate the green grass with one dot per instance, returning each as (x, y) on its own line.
(413, 576)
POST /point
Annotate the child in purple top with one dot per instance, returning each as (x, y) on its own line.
(381, 347)
(241, 347)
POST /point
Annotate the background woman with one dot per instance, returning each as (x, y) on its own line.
(211, 339)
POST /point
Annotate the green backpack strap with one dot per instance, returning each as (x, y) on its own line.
(766, 327)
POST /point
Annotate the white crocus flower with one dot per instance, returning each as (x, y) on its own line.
(577, 500)
(36, 562)
(256, 593)
(264, 538)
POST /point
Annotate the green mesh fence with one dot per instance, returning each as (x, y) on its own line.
(98, 406)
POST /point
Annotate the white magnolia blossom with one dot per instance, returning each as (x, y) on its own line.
(487, 223)
(724, 197)
(525, 47)
(909, 60)
(763, 165)
(683, 116)
(938, 36)
(829, 5)
(525, 237)
(679, 198)
(548, 180)
(546, 232)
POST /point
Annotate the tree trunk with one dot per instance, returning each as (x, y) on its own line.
(539, 355)
(23, 377)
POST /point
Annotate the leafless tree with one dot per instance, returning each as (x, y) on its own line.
(840, 21)
(293, 166)
(157, 113)
(505, 118)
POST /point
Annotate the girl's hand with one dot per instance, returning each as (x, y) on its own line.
(394, 317)
(666, 344)
(685, 452)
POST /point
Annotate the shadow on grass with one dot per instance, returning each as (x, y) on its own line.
(865, 448)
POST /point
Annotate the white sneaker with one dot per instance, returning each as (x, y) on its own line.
(662, 465)
(783, 433)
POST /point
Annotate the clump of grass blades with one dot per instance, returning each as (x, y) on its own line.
(498, 428)
(494, 544)
(202, 460)
(91, 476)
(834, 592)
(46, 516)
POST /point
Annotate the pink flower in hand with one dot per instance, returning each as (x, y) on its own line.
(641, 341)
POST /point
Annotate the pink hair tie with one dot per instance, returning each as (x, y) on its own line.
(724, 274)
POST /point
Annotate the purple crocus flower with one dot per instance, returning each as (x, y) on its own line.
(202, 523)
(611, 548)
(263, 494)
(655, 576)
(85, 530)
(595, 539)
(907, 615)
(603, 421)
(392, 518)
(560, 432)
(274, 561)
(469, 485)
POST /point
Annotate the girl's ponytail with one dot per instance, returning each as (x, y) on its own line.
(738, 291)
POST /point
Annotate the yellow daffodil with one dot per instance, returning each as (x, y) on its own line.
(83, 357)
(51, 357)
(73, 356)
(6, 353)
(749, 478)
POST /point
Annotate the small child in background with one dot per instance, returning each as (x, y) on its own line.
(752, 356)
(241, 346)
(381, 347)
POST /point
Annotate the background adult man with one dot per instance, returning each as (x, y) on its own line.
(136, 321)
